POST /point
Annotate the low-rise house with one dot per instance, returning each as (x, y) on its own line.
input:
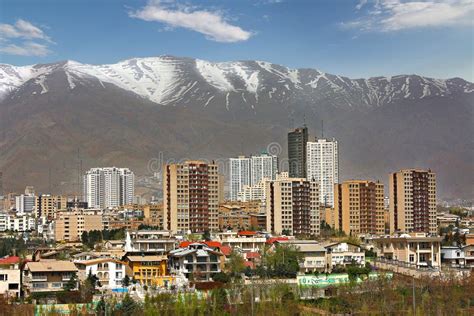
(314, 254)
(343, 254)
(197, 262)
(469, 255)
(110, 272)
(10, 276)
(418, 249)
(149, 269)
(244, 241)
(47, 275)
(453, 256)
(152, 241)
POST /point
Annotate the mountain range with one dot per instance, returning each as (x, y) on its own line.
(54, 116)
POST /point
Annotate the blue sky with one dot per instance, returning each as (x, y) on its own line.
(359, 38)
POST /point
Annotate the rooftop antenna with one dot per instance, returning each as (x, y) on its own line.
(322, 128)
(304, 120)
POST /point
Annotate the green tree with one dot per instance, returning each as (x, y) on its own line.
(283, 261)
(71, 284)
(126, 281)
(236, 264)
(206, 235)
(129, 307)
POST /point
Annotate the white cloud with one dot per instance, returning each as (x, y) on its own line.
(394, 15)
(22, 29)
(213, 24)
(26, 49)
(17, 39)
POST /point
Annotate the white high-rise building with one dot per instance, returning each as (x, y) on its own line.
(239, 175)
(250, 172)
(322, 165)
(25, 203)
(109, 187)
(262, 167)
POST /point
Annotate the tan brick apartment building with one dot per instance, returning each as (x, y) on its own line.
(190, 197)
(292, 205)
(69, 226)
(359, 207)
(413, 201)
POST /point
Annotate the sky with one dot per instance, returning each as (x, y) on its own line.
(354, 38)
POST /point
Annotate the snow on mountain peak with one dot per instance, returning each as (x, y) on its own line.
(168, 79)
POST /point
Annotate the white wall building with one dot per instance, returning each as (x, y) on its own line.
(19, 223)
(323, 166)
(239, 174)
(25, 203)
(109, 187)
(247, 176)
(263, 167)
(110, 272)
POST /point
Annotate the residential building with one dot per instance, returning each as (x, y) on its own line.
(69, 225)
(20, 222)
(244, 241)
(292, 206)
(413, 201)
(418, 249)
(153, 215)
(47, 276)
(191, 197)
(314, 254)
(263, 166)
(239, 173)
(149, 269)
(254, 192)
(258, 221)
(10, 276)
(197, 262)
(109, 272)
(469, 255)
(453, 256)
(359, 208)
(343, 254)
(46, 205)
(297, 140)
(322, 166)
(109, 187)
(25, 203)
(237, 215)
(157, 241)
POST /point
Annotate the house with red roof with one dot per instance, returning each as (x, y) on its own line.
(10, 276)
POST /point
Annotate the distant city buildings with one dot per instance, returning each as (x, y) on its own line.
(109, 187)
(297, 140)
(191, 197)
(247, 176)
(239, 173)
(322, 165)
(359, 207)
(25, 203)
(413, 201)
(69, 226)
(292, 206)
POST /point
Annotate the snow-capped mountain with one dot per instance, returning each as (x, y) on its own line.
(169, 80)
(55, 116)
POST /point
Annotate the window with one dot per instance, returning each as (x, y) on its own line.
(118, 275)
(3, 277)
(412, 258)
(13, 286)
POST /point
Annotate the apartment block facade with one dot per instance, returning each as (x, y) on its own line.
(69, 226)
(322, 166)
(413, 201)
(109, 187)
(292, 205)
(359, 207)
(191, 197)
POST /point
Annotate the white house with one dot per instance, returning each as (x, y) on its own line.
(343, 254)
(453, 256)
(110, 272)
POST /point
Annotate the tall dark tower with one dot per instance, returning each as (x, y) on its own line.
(297, 140)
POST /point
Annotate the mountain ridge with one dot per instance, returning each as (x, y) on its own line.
(129, 113)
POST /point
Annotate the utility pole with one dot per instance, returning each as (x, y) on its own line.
(414, 298)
